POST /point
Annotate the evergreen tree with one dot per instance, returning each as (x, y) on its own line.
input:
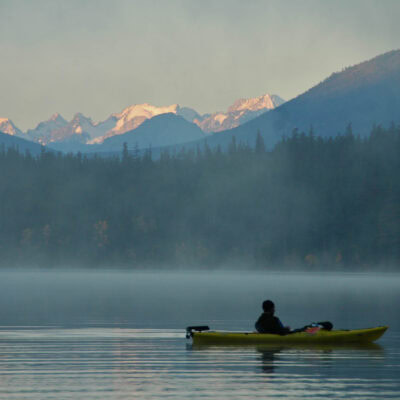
(260, 145)
(125, 153)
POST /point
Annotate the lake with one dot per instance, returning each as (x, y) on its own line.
(120, 335)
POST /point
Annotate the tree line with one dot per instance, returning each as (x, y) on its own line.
(310, 203)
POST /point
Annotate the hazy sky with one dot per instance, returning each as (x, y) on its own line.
(99, 56)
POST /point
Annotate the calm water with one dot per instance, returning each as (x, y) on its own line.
(121, 336)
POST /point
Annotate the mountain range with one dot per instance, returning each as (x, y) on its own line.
(73, 135)
(363, 95)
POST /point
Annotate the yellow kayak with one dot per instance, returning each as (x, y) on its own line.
(307, 337)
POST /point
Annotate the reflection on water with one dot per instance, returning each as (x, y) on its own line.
(268, 359)
(272, 355)
(125, 363)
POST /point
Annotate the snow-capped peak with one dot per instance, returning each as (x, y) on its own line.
(7, 126)
(56, 117)
(79, 118)
(43, 132)
(239, 112)
(264, 102)
(131, 117)
(5, 121)
(145, 109)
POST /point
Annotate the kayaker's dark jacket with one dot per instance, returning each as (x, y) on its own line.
(267, 323)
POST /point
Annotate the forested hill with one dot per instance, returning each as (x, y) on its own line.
(310, 203)
(22, 145)
(363, 94)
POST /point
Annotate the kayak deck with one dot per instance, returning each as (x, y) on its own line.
(322, 336)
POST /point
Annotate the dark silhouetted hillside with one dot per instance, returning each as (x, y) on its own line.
(22, 145)
(364, 94)
(161, 130)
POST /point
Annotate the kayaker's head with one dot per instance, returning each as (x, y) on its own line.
(268, 307)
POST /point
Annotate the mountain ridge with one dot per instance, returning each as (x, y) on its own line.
(21, 145)
(83, 130)
(240, 111)
(8, 127)
(162, 130)
(365, 94)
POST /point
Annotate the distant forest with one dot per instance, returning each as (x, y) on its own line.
(309, 203)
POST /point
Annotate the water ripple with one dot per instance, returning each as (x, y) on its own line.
(122, 363)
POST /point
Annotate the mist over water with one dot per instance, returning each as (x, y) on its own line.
(223, 299)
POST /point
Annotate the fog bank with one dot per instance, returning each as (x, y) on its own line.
(176, 299)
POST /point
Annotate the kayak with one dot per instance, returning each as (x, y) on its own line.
(311, 336)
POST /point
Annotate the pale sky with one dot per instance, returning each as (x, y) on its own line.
(99, 56)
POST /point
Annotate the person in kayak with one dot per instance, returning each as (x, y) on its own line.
(268, 323)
